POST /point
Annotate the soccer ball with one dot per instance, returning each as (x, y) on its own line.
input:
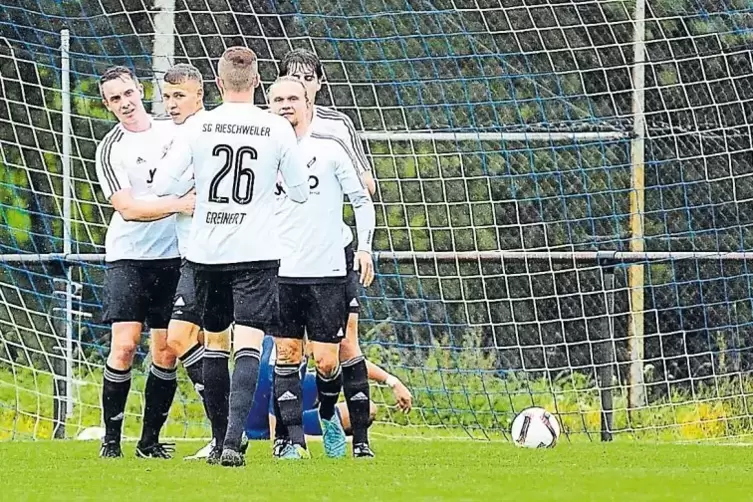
(535, 428)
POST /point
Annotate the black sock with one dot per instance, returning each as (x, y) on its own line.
(159, 392)
(357, 397)
(242, 389)
(288, 393)
(328, 389)
(115, 389)
(281, 430)
(193, 363)
(217, 391)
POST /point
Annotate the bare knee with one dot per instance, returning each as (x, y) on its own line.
(289, 350)
(219, 340)
(327, 362)
(162, 355)
(125, 342)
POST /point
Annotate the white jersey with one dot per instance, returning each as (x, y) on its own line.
(237, 150)
(311, 232)
(330, 122)
(175, 177)
(125, 160)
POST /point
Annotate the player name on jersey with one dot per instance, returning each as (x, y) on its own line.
(223, 218)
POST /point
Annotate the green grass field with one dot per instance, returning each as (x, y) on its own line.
(404, 470)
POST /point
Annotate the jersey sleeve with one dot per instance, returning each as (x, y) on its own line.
(111, 173)
(174, 175)
(291, 165)
(354, 146)
(358, 195)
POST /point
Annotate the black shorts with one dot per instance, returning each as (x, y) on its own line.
(140, 291)
(250, 288)
(216, 315)
(352, 281)
(320, 311)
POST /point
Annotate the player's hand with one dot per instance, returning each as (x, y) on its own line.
(403, 397)
(365, 265)
(187, 203)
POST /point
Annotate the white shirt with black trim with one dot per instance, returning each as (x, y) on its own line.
(126, 160)
(311, 233)
(237, 150)
(175, 177)
(330, 122)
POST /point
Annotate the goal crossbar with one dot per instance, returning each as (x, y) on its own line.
(602, 257)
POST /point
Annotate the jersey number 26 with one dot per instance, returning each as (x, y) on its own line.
(243, 177)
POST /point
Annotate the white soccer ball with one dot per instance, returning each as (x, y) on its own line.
(535, 428)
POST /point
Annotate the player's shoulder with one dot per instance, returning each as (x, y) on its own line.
(328, 114)
(111, 139)
(330, 145)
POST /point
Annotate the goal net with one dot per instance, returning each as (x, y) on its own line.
(559, 223)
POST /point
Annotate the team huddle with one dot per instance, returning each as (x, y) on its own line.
(228, 230)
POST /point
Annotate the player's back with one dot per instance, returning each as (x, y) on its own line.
(237, 149)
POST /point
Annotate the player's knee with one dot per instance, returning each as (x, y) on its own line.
(349, 349)
(217, 341)
(164, 358)
(122, 352)
(179, 335)
(124, 343)
(326, 363)
(289, 351)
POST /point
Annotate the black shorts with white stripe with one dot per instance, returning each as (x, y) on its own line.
(140, 291)
(214, 316)
(352, 282)
(318, 310)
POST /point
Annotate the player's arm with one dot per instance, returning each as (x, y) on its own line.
(116, 187)
(363, 209)
(403, 397)
(174, 176)
(362, 164)
(292, 167)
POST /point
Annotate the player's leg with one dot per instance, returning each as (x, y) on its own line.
(256, 309)
(355, 374)
(326, 317)
(161, 382)
(288, 391)
(125, 310)
(211, 290)
(183, 330)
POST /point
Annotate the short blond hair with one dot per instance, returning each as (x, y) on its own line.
(238, 69)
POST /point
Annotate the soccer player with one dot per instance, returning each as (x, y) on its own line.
(313, 290)
(237, 151)
(141, 254)
(305, 66)
(182, 93)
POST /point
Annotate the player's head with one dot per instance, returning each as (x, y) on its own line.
(305, 66)
(288, 98)
(122, 94)
(182, 92)
(237, 71)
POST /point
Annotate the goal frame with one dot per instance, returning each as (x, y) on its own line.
(607, 260)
